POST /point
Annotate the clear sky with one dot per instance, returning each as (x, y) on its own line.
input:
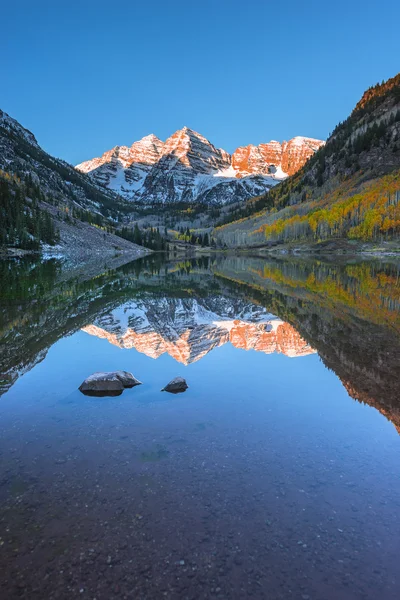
(85, 76)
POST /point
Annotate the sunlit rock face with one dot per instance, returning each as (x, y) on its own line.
(275, 158)
(257, 159)
(187, 330)
(195, 151)
(185, 347)
(187, 159)
(296, 152)
(187, 167)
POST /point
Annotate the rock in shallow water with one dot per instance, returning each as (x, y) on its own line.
(127, 379)
(108, 384)
(176, 386)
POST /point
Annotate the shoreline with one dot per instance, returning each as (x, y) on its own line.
(339, 247)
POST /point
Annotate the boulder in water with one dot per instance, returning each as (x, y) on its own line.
(108, 384)
(176, 386)
(128, 380)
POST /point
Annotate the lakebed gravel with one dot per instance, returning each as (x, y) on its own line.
(155, 500)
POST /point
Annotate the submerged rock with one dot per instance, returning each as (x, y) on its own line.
(108, 384)
(176, 386)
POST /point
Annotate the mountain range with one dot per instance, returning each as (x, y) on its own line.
(189, 168)
(303, 191)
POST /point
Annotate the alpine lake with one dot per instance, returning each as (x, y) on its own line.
(276, 475)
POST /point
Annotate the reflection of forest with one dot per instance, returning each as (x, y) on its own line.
(349, 313)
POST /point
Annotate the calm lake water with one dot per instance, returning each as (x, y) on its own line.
(275, 475)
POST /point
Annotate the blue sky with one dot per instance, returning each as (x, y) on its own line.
(85, 76)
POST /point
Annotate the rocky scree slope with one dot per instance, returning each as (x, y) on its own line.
(188, 168)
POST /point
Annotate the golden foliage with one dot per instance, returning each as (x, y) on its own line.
(373, 213)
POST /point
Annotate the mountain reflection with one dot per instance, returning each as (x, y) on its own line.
(187, 329)
(349, 313)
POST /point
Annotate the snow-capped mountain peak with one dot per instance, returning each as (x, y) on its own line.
(187, 167)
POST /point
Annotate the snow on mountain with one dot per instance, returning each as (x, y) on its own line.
(187, 168)
(124, 169)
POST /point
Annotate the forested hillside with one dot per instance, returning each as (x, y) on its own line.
(44, 200)
(349, 189)
(22, 223)
(20, 155)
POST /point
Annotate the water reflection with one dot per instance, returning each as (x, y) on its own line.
(264, 479)
(348, 313)
(187, 328)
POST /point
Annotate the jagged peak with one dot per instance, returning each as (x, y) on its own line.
(191, 133)
(149, 139)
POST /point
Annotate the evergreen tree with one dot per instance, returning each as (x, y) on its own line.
(137, 236)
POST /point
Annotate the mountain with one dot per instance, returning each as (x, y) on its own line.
(279, 159)
(188, 168)
(349, 189)
(45, 200)
(122, 168)
(188, 329)
(20, 154)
